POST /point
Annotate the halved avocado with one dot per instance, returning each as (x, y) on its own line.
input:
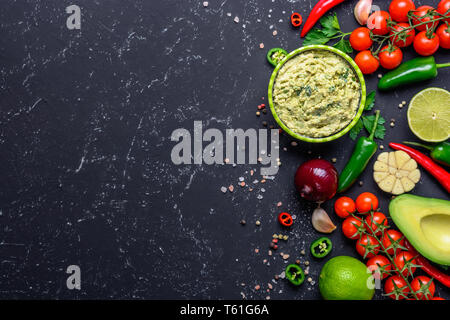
(425, 222)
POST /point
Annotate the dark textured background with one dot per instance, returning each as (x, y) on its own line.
(85, 124)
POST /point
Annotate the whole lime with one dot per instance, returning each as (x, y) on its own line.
(345, 278)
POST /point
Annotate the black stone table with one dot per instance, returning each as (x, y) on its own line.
(87, 178)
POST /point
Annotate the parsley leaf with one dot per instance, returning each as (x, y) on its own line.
(344, 46)
(354, 132)
(370, 101)
(380, 129)
(316, 36)
(330, 25)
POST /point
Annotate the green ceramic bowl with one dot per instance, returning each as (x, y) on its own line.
(357, 114)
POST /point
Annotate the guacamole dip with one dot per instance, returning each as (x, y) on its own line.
(316, 94)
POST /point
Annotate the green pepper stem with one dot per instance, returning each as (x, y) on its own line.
(442, 65)
(375, 124)
(419, 145)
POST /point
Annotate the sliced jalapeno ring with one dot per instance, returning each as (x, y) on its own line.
(295, 274)
(321, 247)
(276, 55)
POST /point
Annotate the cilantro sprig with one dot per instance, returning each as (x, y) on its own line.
(367, 122)
(330, 30)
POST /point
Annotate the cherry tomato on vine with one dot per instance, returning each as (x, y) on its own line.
(401, 259)
(404, 39)
(378, 218)
(360, 39)
(379, 266)
(443, 32)
(344, 206)
(390, 57)
(285, 219)
(362, 246)
(398, 9)
(420, 15)
(401, 285)
(438, 298)
(426, 46)
(391, 236)
(367, 62)
(378, 22)
(443, 7)
(350, 227)
(419, 284)
(366, 201)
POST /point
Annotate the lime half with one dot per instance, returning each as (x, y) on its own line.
(429, 115)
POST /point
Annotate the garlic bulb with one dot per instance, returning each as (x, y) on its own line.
(322, 222)
(362, 11)
(395, 172)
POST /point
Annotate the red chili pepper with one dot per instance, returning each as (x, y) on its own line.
(296, 19)
(322, 7)
(427, 267)
(285, 219)
(437, 171)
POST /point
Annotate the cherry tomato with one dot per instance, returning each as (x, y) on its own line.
(405, 38)
(363, 242)
(391, 236)
(419, 283)
(379, 265)
(443, 7)
(401, 259)
(377, 219)
(367, 62)
(378, 22)
(390, 58)
(344, 206)
(424, 45)
(438, 298)
(360, 39)
(296, 19)
(366, 201)
(350, 227)
(443, 32)
(401, 285)
(398, 9)
(285, 219)
(419, 17)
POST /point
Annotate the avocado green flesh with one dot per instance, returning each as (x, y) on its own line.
(425, 222)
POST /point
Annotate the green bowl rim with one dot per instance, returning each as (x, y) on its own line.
(350, 125)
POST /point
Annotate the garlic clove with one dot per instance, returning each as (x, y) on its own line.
(322, 222)
(362, 11)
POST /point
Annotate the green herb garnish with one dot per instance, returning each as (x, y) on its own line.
(330, 30)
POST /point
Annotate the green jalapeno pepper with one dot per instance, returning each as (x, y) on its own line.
(439, 152)
(321, 247)
(276, 55)
(295, 274)
(364, 150)
(412, 71)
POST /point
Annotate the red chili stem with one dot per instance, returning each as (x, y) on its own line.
(437, 171)
(427, 267)
(322, 7)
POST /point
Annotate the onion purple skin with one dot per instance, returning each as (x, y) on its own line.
(316, 180)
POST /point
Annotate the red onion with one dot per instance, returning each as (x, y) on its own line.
(316, 180)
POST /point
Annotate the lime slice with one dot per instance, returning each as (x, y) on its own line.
(429, 115)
